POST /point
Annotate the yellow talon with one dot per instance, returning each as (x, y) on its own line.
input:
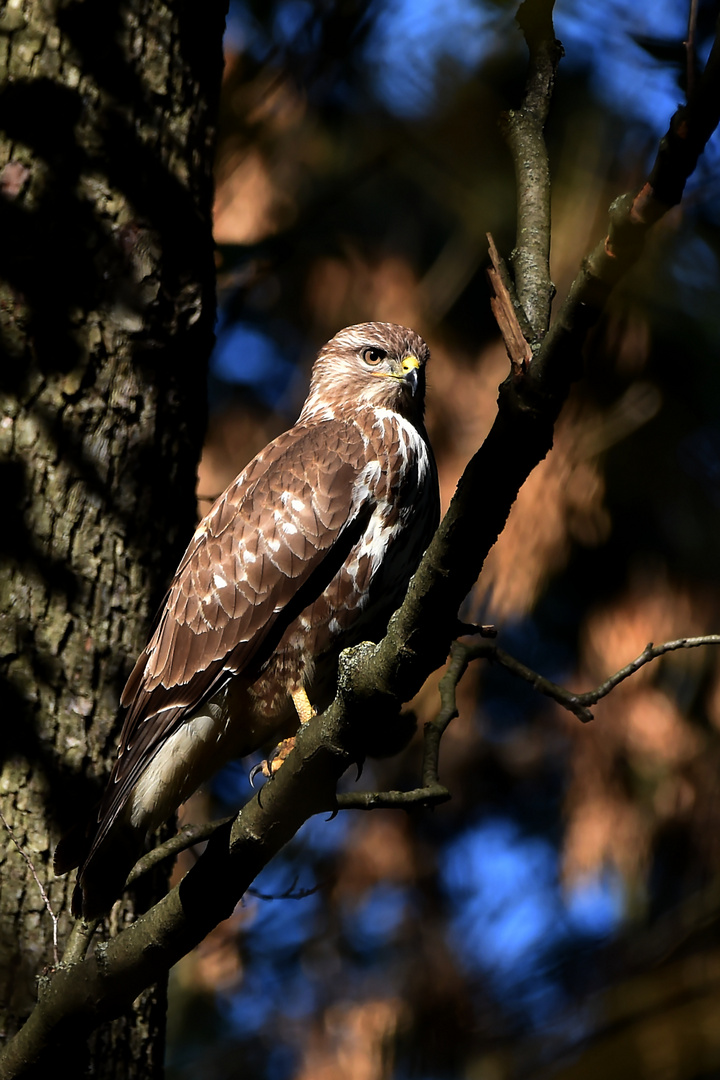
(269, 767)
(306, 712)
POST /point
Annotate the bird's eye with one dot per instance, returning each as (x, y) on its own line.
(373, 357)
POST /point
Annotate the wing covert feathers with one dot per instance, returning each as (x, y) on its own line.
(309, 548)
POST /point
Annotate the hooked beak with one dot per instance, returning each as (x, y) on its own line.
(405, 371)
(410, 366)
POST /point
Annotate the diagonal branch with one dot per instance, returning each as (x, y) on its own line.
(630, 217)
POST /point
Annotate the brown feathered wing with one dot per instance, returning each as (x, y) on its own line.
(267, 548)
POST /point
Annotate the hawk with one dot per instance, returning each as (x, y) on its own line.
(308, 551)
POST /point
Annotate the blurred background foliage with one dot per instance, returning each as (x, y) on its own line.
(558, 916)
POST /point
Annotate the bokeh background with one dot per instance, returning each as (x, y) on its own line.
(558, 917)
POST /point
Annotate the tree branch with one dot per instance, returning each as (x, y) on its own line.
(523, 130)
(650, 652)
(578, 703)
(423, 797)
(79, 996)
(630, 217)
(186, 837)
(570, 701)
(432, 791)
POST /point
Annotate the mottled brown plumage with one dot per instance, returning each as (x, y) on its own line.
(308, 551)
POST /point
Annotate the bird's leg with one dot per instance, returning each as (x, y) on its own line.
(305, 712)
(302, 705)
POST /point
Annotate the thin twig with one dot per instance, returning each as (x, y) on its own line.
(650, 652)
(578, 704)
(490, 651)
(430, 795)
(38, 882)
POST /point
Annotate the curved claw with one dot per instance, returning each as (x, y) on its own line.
(259, 768)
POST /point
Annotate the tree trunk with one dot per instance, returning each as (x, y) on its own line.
(106, 316)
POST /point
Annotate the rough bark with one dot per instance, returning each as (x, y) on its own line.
(106, 314)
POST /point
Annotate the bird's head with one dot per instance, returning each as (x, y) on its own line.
(376, 364)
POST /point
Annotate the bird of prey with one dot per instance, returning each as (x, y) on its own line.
(308, 551)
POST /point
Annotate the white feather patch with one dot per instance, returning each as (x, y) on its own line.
(183, 761)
